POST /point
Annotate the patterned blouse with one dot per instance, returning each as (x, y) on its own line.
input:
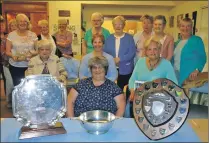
(91, 97)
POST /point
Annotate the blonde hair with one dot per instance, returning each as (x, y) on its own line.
(1, 18)
(43, 43)
(12, 21)
(62, 21)
(21, 15)
(149, 41)
(121, 18)
(43, 22)
(95, 14)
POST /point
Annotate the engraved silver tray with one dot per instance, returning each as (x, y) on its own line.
(39, 99)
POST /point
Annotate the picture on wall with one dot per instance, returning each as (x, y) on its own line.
(179, 17)
(171, 21)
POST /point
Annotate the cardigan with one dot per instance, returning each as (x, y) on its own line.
(193, 57)
(127, 52)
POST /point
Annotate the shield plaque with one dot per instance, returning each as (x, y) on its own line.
(160, 108)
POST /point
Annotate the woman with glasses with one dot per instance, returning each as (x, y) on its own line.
(96, 92)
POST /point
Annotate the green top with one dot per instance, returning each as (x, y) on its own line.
(88, 39)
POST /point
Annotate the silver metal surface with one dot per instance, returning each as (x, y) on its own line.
(160, 108)
(39, 100)
(97, 121)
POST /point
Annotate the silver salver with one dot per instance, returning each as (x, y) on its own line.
(39, 101)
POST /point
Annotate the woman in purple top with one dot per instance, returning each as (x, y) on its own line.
(64, 39)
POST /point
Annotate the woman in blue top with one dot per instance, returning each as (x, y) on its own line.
(189, 54)
(84, 71)
(151, 67)
(122, 47)
(97, 20)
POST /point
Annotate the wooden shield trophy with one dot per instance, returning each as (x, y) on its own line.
(160, 108)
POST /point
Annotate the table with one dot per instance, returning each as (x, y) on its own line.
(123, 130)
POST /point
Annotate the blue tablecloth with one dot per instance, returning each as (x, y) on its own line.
(123, 130)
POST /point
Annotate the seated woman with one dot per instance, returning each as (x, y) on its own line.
(97, 42)
(151, 67)
(96, 92)
(46, 63)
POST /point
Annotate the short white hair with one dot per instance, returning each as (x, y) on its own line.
(97, 14)
(43, 43)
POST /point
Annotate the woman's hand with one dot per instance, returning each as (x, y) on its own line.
(193, 75)
(15, 58)
(131, 97)
(117, 60)
(67, 56)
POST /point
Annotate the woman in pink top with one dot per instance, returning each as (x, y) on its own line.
(166, 40)
(141, 36)
(64, 39)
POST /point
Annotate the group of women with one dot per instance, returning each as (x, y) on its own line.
(110, 61)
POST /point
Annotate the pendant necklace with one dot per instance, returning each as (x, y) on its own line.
(153, 66)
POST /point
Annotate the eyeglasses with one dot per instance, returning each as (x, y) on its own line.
(97, 67)
(96, 20)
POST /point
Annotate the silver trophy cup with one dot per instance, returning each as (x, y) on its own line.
(39, 101)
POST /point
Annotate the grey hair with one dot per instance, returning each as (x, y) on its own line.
(160, 17)
(26, 18)
(99, 15)
(43, 43)
(121, 18)
(148, 17)
(99, 60)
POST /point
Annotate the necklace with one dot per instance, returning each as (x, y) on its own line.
(153, 66)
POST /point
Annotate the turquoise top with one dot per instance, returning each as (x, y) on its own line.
(142, 73)
(88, 39)
(193, 57)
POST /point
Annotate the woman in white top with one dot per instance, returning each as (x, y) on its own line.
(166, 40)
(141, 36)
(20, 47)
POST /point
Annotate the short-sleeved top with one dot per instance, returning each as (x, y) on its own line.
(91, 97)
(88, 38)
(21, 45)
(62, 38)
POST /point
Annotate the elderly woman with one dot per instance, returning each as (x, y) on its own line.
(166, 40)
(12, 25)
(64, 39)
(20, 47)
(189, 53)
(98, 41)
(97, 20)
(151, 67)
(140, 37)
(46, 63)
(96, 92)
(44, 28)
(121, 46)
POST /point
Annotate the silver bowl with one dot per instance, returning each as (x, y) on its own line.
(96, 121)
